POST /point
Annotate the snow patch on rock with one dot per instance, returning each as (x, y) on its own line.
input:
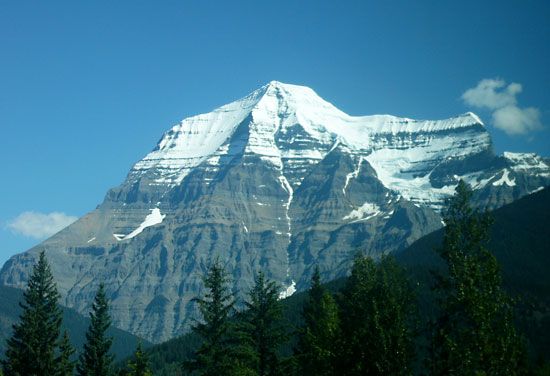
(353, 174)
(152, 219)
(288, 291)
(365, 212)
(505, 179)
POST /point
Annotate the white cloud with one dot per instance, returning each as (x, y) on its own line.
(514, 120)
(40, 225)
(500, 98)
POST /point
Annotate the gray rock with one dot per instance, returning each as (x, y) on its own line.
(280, 181)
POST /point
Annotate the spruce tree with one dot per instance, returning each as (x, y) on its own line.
(95, 359)
(261, 328)
(65, 365)
(139, 366)
(475, 333)
(377, 320)
(316, 352)
(32, 348)
(213, 358)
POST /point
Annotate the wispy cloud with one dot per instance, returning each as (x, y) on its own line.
(500, 98)
(39, 225)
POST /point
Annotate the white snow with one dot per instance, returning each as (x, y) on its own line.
(291, 128)
(353, 174)
(288, 188)
(288, 291)
(270, 113)
(505, 179)
(152, 219)
(91, 240)
(365, 212)
(475, 181)
(522, 162)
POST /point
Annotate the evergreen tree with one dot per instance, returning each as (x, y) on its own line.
(139, 366)
(96, 360)
(475, 333)
(213, 358)
(31, 349)
(316, 352)
(65, 366)
(377, 320)
(261, 328)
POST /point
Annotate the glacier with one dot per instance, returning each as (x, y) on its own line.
(280, 181)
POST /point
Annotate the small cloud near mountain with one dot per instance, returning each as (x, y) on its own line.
(40, 225)
(500, 98)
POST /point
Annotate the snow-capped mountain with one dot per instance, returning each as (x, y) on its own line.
(281, 181)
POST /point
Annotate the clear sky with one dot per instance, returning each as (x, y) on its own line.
(88, 87)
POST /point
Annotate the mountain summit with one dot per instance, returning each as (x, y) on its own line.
(279, 181)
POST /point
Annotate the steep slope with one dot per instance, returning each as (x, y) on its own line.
(279, 180)
(124, 343)
(519, 240)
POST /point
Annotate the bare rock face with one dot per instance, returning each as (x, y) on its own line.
(278, 181)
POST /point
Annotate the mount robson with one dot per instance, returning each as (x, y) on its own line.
(278, 181)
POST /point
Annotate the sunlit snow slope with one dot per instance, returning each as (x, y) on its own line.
(280, 181)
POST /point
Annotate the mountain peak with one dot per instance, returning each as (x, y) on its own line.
(280, 180)
(296, 96)
(278, 117)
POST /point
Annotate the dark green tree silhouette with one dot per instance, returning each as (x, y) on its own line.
(475, 333)
(139, 365)
(32, 348)
(96, 359)
(316, 351)
(65, 365)
(214, 355)
(377, 320)
(261, 328)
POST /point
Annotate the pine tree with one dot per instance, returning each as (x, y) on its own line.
(316, 352)
(95, 359)
(261, 328)
(139, 366)
(377, 320)
(31, 349)
(65, 366)
(213, 358)
(475, 333)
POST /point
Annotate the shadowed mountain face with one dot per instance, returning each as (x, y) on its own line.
(124, 343)
(278, 181)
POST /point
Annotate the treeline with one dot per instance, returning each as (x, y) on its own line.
(38, 348)
(370, 327)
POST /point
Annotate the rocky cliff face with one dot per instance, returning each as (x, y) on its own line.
(278, 181)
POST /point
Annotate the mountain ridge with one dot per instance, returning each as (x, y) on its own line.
(281, 189)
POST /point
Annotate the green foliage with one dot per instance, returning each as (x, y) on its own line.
(31, 349)
(213, 357)
(377, 320)
(65, 365)
(475, 332)
(96, 359)
(316, 351)
(261, 330)
(139, 366)
(519, 240)
(74, 323)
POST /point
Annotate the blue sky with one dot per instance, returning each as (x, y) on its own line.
(87, 88)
